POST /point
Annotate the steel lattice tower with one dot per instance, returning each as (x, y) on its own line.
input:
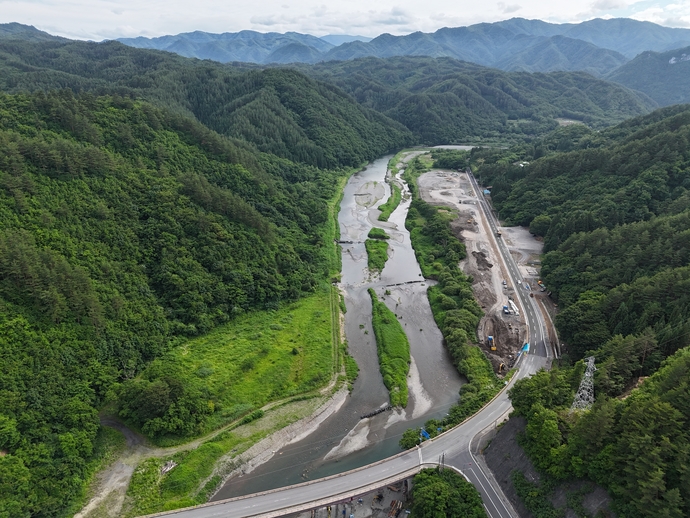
(585, 394)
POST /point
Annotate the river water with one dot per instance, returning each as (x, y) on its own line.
(344, 441)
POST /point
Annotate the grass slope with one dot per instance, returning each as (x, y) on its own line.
(261, 356)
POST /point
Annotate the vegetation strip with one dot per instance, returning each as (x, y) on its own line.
(377, 254)
(392, 203)
(452, 303)
(393, 350)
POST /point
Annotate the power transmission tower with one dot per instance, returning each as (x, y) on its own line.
(585, 394)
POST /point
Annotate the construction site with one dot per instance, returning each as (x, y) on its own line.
(502, 331)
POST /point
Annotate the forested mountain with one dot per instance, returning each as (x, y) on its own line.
(339, 39)
(444, 100)
(596, 46)
(18, 31)
(636, 447)
(122, 229)
(625, 35)
(250, 46)
(614, 209)
(285, 113)
(490, 45)
(665, 77)
(561, 53)
(280, 111)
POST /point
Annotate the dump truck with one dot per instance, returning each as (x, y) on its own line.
(492, 344)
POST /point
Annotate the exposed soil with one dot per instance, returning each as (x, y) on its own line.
(380, 503)
(484, 263)
(110, 487)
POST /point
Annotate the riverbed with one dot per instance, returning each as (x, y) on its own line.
(344, 440)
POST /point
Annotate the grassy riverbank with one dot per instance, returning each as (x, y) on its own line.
(286, 354)
(198, 473)
(393, 350)
(452, 302)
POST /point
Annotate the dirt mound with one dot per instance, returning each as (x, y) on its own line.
(482, 262)
(506, 340)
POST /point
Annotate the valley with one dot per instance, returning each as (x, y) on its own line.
(218, 279)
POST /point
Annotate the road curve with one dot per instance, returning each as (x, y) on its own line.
(454, 446)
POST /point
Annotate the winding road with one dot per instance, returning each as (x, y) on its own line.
(455, 446)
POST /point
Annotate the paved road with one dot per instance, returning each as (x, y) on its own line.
(454, 446)
(536, 328)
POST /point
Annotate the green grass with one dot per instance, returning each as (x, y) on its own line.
(263, 356)
(391, 204)
(393, 162)
(332, 230)
(415, 168)
(351, 367)
(393, 350)
(378, 233)
(377, 254)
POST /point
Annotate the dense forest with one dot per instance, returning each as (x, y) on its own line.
(636, 447)
(446, 101)
(124, 228)
(281, 112)
(613, 208)
(614, 215)
(437, 493)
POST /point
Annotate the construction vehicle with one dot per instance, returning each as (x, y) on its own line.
(492, 344)
(498, 233)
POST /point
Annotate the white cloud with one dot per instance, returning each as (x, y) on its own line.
(607, 5)
(507, 9)
(99, 19)
(677, 22)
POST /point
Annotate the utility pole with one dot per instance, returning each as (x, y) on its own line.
(585, 394)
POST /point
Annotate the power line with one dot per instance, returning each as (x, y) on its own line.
(584, 399)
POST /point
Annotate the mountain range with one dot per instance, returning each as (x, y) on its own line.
(597, 46)
(635, 54)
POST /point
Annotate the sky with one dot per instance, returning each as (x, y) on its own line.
(108, 19)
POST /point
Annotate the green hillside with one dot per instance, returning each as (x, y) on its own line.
(445, 101)
(614, 210)
(663, 76)
(561, 53)
(637, 448)
(123, 230)
(280, 111)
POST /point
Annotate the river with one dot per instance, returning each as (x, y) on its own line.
(344, 441)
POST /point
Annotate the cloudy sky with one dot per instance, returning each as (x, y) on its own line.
(102, 19)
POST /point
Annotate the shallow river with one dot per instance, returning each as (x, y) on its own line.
(344, 441)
